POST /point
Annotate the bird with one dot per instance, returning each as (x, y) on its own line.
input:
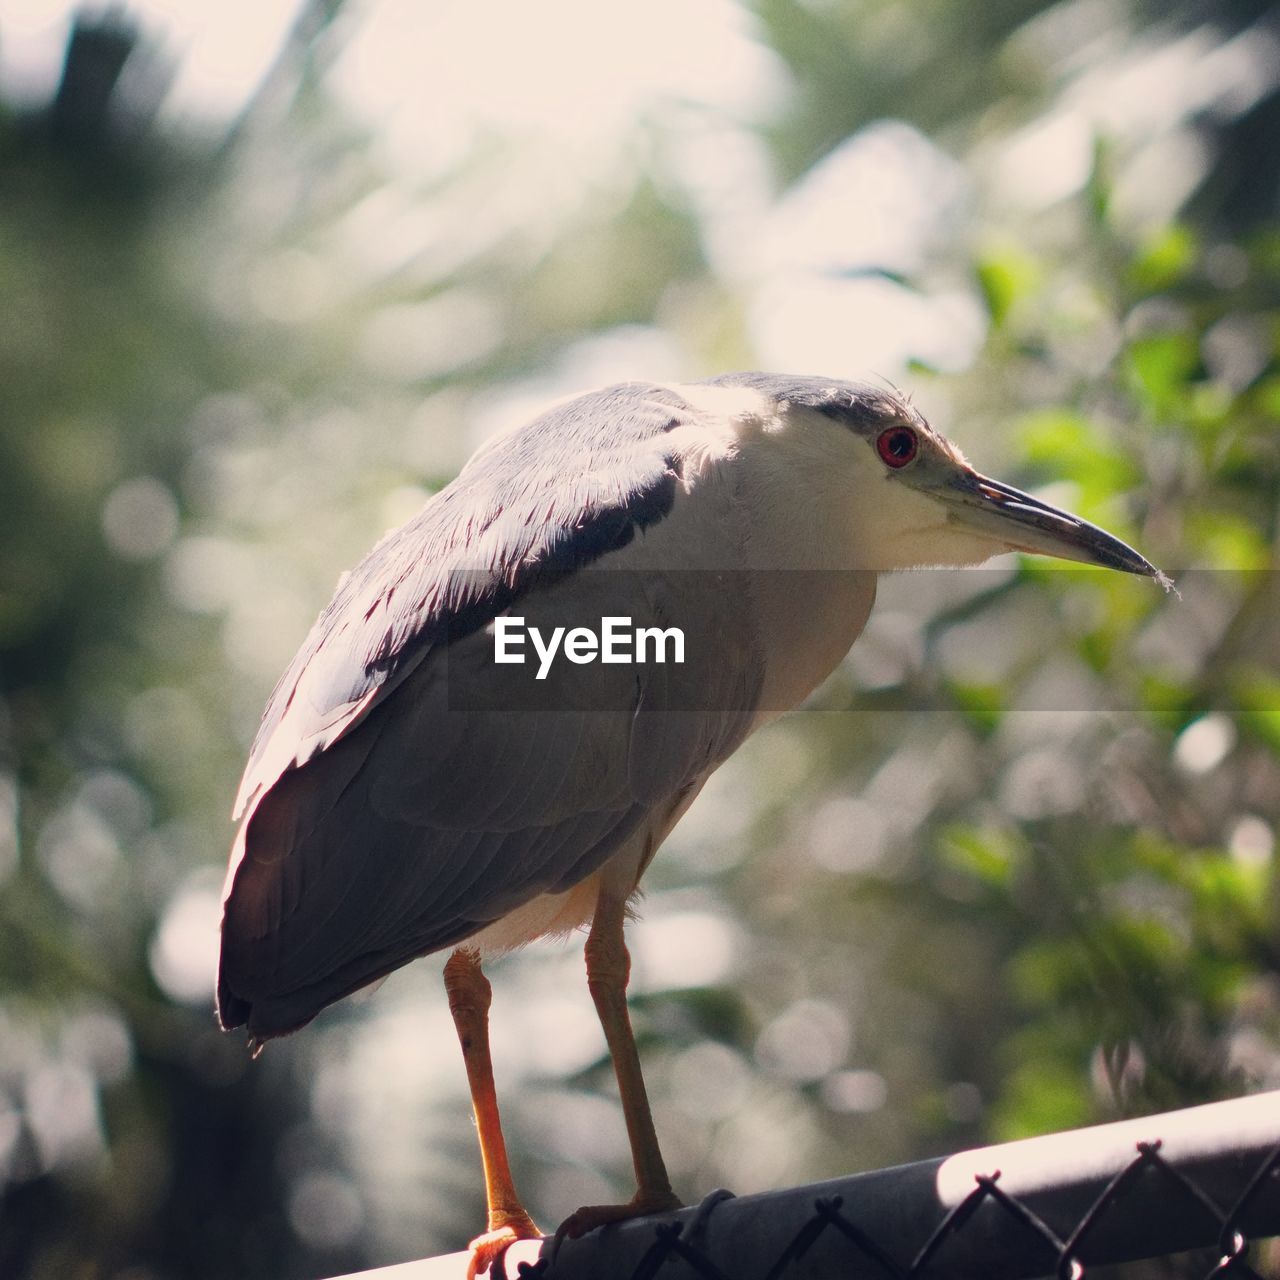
(413, 789)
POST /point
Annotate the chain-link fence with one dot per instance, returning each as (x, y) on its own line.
(1207, 1178)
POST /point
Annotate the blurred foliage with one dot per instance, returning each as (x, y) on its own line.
(1014, 868)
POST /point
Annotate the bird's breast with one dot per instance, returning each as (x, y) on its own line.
(780, 539)
(810, 580)
(808, 620)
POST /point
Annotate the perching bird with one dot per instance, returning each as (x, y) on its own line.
(408, 793)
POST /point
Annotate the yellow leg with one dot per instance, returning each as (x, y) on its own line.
(608, 971)
(469, 998)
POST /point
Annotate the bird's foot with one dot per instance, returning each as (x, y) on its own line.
(591, 1216)
(503, 1232)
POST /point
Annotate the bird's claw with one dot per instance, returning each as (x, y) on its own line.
(487, 1249)
(591, 1216)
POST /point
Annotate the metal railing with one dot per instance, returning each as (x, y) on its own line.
(1204, 1178)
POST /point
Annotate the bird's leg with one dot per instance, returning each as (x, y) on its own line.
(469, 998)
(608, 970)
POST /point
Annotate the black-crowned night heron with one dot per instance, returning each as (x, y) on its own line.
(405, 795)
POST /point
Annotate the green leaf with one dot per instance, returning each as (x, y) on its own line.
(1005, 277)
(1159, 367)
(1258, 696)
(982, 705)
(1266, 396)
(1226, 889)
(1068, 444)
(1166, 700)
(991, 856)
(1164, 259)
(1227, 541)
(1042, 1096)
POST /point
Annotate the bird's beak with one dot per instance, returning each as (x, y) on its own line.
(1023, 523)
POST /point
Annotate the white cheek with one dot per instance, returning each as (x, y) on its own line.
(896, 526)
(903, 528)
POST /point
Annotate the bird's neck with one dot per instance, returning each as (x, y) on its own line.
(812, 585)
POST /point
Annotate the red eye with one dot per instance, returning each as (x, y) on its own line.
(897, 446)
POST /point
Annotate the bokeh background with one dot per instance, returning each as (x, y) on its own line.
(271, 269)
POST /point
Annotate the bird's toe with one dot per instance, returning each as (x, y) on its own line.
(486, 1249)
(591, 1216)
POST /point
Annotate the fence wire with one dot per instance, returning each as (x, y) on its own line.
(1056, 1207)
(869, 1258)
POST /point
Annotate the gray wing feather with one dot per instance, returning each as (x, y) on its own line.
(430, 821)
(531, 506)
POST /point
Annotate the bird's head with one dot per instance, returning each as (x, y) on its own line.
(915, 499)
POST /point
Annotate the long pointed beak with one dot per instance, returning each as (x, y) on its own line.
(1023, 523)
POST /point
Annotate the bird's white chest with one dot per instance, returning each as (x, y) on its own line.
(809, 619)
(785, 536)
(810, 583)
